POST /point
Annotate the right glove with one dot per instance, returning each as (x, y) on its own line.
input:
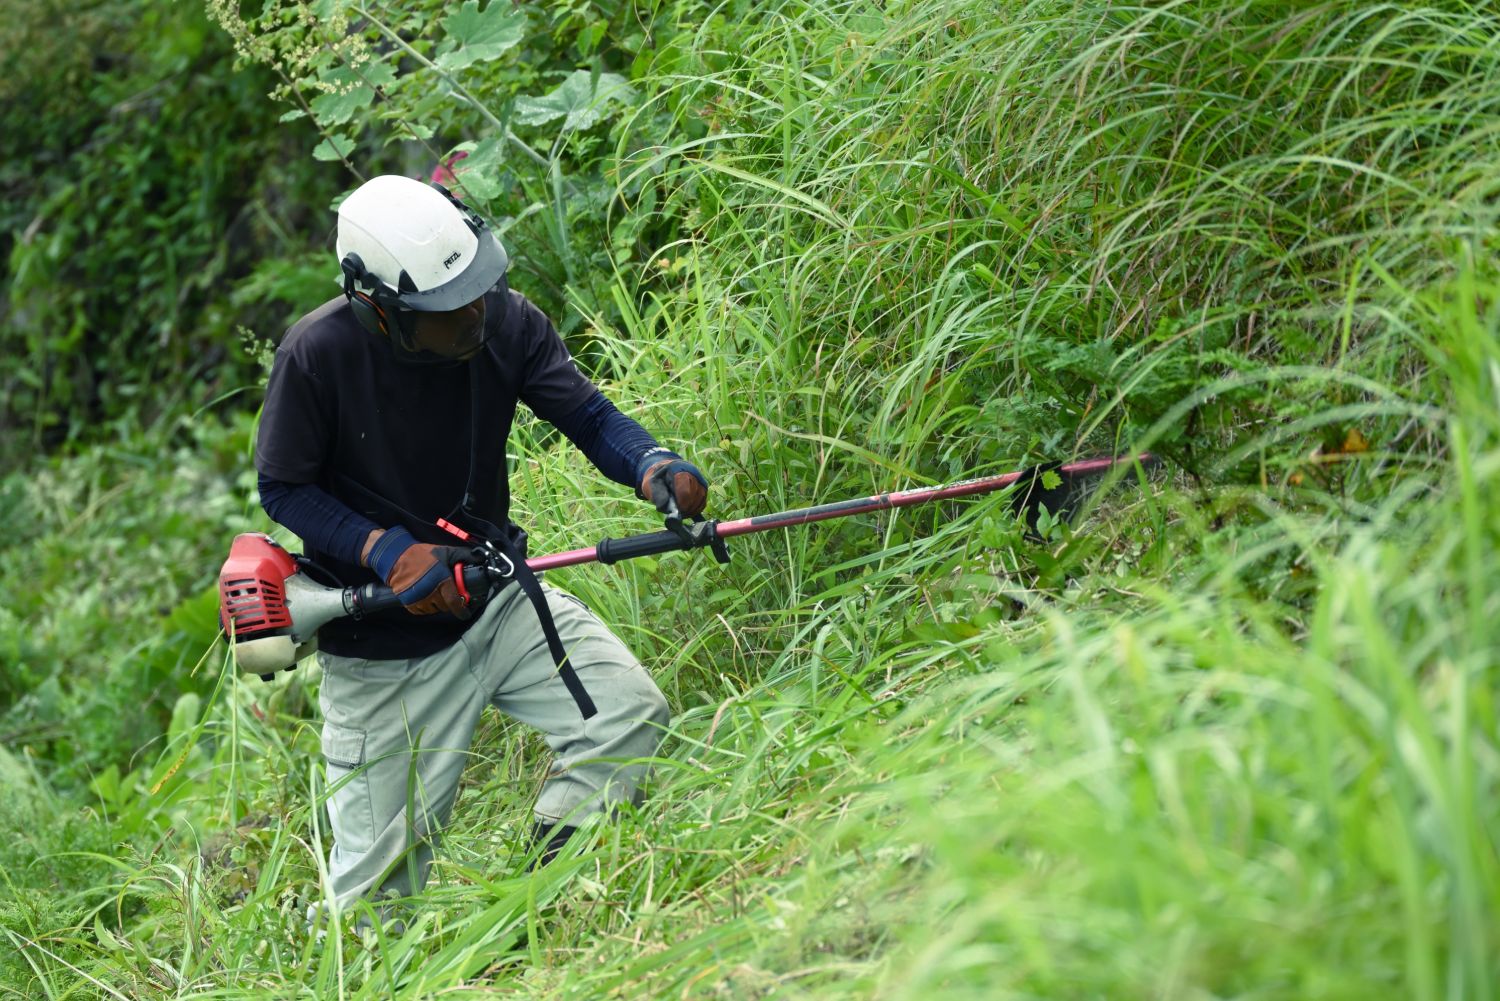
(675, 486)
(421, 574)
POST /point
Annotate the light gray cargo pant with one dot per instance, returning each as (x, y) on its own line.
(376, 712)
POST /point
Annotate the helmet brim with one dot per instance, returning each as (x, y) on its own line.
(487, 268)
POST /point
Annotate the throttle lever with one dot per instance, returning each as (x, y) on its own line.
(697, 534)
(676, 526)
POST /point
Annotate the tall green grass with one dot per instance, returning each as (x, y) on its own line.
(1096, 209)
(1234, 735)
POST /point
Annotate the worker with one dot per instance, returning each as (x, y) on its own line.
(382, 445)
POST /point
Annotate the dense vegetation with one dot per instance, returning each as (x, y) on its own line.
(1232, 734)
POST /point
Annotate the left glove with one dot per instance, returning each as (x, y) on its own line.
(421, 574)
(675, 486)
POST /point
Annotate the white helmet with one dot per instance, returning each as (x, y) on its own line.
(404, 245)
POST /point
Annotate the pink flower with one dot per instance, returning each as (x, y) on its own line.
(443, 173)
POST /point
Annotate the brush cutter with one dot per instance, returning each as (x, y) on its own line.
(272, 608)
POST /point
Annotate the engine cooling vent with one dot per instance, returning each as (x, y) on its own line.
(252, 587)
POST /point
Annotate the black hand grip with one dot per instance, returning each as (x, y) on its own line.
(368, 599)
(615, 550)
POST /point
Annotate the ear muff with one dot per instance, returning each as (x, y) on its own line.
(366, 308)
(368, 312)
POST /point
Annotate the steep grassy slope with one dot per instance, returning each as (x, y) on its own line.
(1232, 735)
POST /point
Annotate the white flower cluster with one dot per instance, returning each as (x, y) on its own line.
(297, 41)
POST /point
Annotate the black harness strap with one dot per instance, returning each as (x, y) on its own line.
(533, 588)
(513, 545)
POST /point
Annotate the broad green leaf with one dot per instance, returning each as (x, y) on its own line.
(1050, 480)
(479, 173)
(433, 103)
(406, 129)
(351, 92)
(476, 36)
(335, 147)
(579, 101)
(339, 108)
(185, 714)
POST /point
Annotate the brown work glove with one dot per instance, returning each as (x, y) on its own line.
(675, 486)
(421, 574)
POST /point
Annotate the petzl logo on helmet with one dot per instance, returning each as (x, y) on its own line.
(448, 261)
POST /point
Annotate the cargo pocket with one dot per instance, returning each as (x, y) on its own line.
(348, 788)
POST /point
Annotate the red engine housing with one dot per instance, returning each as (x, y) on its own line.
(252, 587)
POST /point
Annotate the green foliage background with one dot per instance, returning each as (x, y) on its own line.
(1233, 733)
(143, 179)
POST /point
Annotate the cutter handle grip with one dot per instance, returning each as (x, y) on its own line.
(367, 599)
